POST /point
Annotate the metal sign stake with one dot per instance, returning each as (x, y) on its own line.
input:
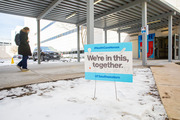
(116, 91)
(94, 98)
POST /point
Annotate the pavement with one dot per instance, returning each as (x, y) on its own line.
(167, 79)
(11, 76)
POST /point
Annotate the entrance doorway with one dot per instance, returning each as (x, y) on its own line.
(161, 47)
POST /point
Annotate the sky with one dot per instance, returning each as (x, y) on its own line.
(8, 23)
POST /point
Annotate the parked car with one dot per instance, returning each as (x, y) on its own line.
(17, 56)
(1, 61)
(30, 57)
(46, 53)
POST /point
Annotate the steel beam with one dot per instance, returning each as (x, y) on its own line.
(118, 9)
(144, 35)
(123, 24)
(48, 9)
(170, 38)
(90, 21)
(78, 44)
(38, 41)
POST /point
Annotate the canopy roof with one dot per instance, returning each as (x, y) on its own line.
(118, 15)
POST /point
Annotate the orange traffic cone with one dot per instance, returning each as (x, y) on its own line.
(12, 61)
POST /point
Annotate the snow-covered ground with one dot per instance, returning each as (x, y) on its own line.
(72, 100)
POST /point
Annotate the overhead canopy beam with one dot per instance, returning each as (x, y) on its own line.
(151, 28)
(48, 9)
(157, 27)
(124, 24)
(137, 27)
(120, 8)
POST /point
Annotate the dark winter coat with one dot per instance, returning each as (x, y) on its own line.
(24, 48)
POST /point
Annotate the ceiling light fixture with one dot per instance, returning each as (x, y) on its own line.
(125, 28)
(97, 2)
(165, 28)
(70, 16)
(154, 22)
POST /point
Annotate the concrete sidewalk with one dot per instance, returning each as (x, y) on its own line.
(167, 78)
(11, 76)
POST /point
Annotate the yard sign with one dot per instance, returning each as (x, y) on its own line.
(109, 62)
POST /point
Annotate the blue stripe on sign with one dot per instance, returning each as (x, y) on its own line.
(110, 47)
(109, 77)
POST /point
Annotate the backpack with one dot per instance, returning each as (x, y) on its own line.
(17, 39)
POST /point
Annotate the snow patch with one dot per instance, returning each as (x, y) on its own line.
(72, 100)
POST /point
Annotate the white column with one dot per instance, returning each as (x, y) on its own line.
(90, 21)
(144, 35)
(105, 36)
(105, 31)
(170, 38)
(38, 41)
(119, 37)
(78, 44)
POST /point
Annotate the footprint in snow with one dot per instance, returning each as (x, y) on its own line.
(75, 100)
(92, 118)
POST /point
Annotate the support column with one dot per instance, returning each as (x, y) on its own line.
(78, 44)
(179, 47)
(38, 41)
(119, 37)
(105, 31)
(144, 35)
(105, 36)
(90, 21)
(170, 38)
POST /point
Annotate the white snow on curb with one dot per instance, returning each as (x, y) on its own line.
(7, 62)
(72, 100)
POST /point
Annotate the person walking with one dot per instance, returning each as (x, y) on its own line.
(24, 49)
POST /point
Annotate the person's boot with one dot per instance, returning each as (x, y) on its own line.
(24, 70)
(19, 67)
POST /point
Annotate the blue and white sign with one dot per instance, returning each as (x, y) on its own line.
(109, 62)
(145, 29)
